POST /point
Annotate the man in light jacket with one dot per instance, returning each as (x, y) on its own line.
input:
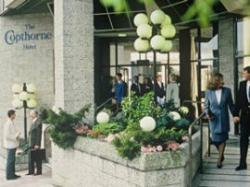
(11, 142)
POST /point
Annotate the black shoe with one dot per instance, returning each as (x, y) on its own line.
(219, 166)
(29, 174)
(17, 176)
(241, 167)
(13, 178)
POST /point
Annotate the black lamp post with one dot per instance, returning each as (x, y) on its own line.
(24, 98)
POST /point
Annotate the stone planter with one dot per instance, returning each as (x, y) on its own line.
(93, 163)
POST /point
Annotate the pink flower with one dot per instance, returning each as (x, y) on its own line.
(145, 149)
(173, 146)
(110, 138)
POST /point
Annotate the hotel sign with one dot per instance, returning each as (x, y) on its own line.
(28, 38)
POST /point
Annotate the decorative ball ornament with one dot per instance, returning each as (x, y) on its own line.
(102, 117)
(140, 19)
(184, 110)
(31, 103)
(23, 96)
(16, 88)
(147, 124)
(168, 31)
(144, 31)
(157, 42)
(31, 88)
(174, 116)
(17, 103)
(157, 17)
(141, 45)
(31, 96)
(167, 20)
(168, 45)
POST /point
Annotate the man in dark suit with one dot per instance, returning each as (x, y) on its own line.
(243, 108)
(35, 135)
(136, 87)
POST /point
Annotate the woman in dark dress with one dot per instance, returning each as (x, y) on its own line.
(147, 85)
(218, 101)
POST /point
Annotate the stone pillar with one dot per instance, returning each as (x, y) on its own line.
(74, 59)
(226, 51)
(226, 56)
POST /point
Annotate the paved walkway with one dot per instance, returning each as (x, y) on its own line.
(28, 181)
(227, 176)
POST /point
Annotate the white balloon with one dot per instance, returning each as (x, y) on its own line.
(168, 31)
(167, 20)
(17, 103)
(16, 88)
(141, 45)
(23, 96)
(147, 124)
(157, 17)
(157, 42)
(102, 117)
(140, 18)
(31, 103)
(174, 115)
(168, 45)
(31, 88)
(144, 31)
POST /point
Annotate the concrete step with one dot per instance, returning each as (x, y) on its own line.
(232, 178)
(209, 183)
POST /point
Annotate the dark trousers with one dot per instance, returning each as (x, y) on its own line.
(11, 161)
(244, 140)
(35, 160)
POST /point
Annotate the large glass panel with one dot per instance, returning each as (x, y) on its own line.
(243, 36)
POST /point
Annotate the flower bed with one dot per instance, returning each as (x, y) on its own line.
(141, 127)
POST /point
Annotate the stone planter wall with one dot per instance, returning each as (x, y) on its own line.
(96, 164)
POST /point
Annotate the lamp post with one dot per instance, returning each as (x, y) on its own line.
(155, 33)
(24, 97)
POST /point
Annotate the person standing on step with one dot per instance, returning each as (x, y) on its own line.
(243, 108)
(11, 142)
(35, 136)
(217, 102)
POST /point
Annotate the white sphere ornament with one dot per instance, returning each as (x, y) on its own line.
(167, 20)
(141, 45)
(31, 96)
(17, 103)
(102, 117)
(157, 42)
(174, 116)
(167, 46)
(147, 124)
(157, 17)
(23, 96)
(16, 88)
(31, 88)
(140, 18)
(31, 103)
(168, 31)
(144, 31)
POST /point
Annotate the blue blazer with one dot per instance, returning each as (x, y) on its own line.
(220, 111)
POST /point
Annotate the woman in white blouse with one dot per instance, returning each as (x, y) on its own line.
(217, 105)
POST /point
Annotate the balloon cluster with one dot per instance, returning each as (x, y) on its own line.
(161, 41)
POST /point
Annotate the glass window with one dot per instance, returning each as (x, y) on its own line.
(243, 37)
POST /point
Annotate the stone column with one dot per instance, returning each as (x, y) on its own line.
(226, 55)
(74, 59)
(226, 51)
